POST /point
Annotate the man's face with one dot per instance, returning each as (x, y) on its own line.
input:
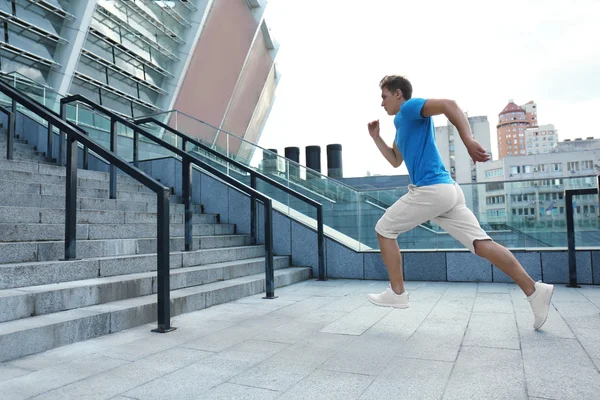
(391, 101)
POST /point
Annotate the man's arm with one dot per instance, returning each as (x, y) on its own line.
(392, 154)
(457, 118)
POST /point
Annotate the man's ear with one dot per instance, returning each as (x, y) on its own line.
(398, 93)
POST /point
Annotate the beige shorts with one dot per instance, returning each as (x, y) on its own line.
(443, 204)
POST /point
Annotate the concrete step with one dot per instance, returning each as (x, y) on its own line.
(17, 252)
(55, 170)
(42, 232)
(40, 178)
(40, 333)
(60, 190)
(88, 203)
(57, 216)
(25, 302)
(25, 155)
(17, 145)
(47, 272)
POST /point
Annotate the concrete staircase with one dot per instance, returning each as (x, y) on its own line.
(47, 303)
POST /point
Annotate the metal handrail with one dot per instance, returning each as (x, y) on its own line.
(10, 116)
(253, 176)
(187, 162)
(569, 193)
(74, 135)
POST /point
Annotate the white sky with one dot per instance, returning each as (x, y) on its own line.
(333, 54)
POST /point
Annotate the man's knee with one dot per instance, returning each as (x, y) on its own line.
(480, 246)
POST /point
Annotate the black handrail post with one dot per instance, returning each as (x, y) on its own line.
(136, 149)
(50, 142)
(571, 240)
(186, 166)
(86, 155)
(12, 121)
(163, 284)
(269, 262)
(113, 168)
(60, 160)
(321, 244)
(571, 229)
(253, 206)
(71, 201)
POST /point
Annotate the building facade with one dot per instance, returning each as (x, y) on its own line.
(454, 153)
(513, 121)
(540, 139)
(531, 187)
(212, 60)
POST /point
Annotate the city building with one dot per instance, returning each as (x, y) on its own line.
(540, 139)
(211, 60)
(519, 133)
(454, 153)
(512, 123)
(531, 187)
(531, 113)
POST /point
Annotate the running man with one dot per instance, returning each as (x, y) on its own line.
(434, 195)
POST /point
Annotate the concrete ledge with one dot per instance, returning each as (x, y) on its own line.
(549, 265)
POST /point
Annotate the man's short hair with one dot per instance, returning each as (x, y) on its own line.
(397, 82)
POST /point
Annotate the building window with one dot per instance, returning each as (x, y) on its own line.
(496, 213)
(494, 172)
(494, 186)
(573, 166)
(515, 170)
(556, 167)
(542, 168)
(527, 169)
(495, 200)
(587, 165)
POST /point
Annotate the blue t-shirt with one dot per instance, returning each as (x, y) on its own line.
(415, 138)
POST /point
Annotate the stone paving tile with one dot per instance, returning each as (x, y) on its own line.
(324, 340)
(492, 330)
(410, 379)
(229, 391)
(485, 373)
(328, 385)
(559, 369)
(358, 321)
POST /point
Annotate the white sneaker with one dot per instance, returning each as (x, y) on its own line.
(540, 303)
(389, 299)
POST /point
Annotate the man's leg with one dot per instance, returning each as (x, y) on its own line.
(419, 205)
(538, 294)
(390, 252)
(502, 258)
(461, 223)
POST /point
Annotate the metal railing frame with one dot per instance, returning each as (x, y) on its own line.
(10, 130)
(254, 175)
(74, 135)
(187, 161)
(569, 194)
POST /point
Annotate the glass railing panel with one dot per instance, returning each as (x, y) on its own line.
(517, 214)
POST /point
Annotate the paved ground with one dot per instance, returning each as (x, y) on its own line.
(322, 340)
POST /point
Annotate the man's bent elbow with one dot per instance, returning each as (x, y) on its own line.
(450, 105)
